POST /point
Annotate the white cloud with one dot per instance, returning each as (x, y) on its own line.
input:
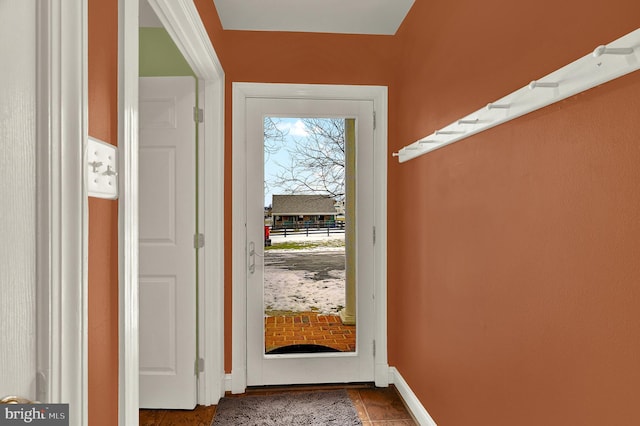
(291, 127)
(299, 129)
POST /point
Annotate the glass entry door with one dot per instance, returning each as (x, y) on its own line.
(309, 290)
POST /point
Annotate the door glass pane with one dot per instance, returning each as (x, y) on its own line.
(309, 278)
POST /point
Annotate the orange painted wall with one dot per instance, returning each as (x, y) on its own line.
(513, 256)
(519, 301)
(103, 219)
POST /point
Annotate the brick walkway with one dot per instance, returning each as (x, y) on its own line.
(309, 328)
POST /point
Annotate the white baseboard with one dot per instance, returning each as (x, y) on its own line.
(413, 403)
(228, 382)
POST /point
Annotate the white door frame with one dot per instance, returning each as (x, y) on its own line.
(62, 216)
(242, 91)
(182, 21)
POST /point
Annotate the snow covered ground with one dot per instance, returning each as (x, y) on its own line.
(295, 291)
(297, 283)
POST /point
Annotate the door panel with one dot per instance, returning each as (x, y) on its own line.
(159, 351)
(158, 203)
(264, 369)
(167, 256)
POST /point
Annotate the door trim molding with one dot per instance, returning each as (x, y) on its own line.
(242, 91)
(62, 253)
(128, 388)
(183, 23)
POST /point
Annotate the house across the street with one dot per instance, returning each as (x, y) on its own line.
(303, 211)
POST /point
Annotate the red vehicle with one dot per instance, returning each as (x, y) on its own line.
(267, 240)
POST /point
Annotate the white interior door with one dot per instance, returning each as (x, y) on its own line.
(18, 192)
(267, 369)
(167, 254)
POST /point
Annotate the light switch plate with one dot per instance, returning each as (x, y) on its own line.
(102, 169)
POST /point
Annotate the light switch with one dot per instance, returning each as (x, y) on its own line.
(102, 169)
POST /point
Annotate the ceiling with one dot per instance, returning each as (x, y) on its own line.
(148, 17)
(381, 17)
(326, 16)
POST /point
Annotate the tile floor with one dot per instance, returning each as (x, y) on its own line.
(375, 406)
(380, 407)
(309, 328)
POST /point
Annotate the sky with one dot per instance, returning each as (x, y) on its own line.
(292, 127)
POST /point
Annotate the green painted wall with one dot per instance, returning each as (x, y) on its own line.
(159, 56)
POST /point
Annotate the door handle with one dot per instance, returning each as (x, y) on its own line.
(12, 399)
(252, 257)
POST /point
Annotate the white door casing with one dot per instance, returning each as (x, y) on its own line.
(52, 35)
(241, 93)
(59, 48)
(355, 366)
(182, 21)
(167, 254)
(18, 192)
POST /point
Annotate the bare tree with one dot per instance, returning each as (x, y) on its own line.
(274, 136)
(274, 139)
(317, 163)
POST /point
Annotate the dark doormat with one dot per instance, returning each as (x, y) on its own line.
(321, 408)
(301, 349)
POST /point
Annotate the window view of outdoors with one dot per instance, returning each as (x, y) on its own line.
(304, 217)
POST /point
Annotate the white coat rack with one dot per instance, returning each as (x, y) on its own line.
(606, 63)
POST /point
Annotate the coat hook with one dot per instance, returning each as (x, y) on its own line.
(604, 50)
(448, 132)
(535, 84)
(395, 154)
(491, 105)
(468, 121)
(427, 141)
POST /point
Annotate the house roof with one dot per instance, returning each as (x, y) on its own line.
(285, 205)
